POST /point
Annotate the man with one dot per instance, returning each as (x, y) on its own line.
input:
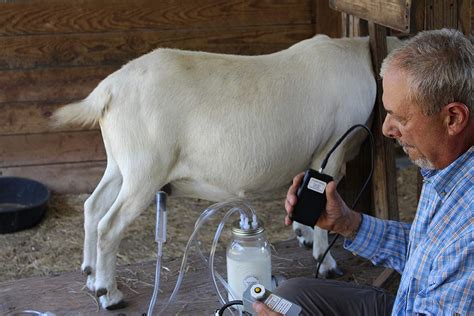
(427, 94)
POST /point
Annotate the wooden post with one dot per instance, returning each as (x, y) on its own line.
(384, 184)
(384, 180)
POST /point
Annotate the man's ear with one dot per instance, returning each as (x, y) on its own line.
(457, 117)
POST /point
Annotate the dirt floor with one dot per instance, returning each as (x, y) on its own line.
(55, 245)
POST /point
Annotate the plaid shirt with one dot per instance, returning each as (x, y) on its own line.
(435, 254)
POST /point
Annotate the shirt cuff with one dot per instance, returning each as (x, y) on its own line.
(365, 241)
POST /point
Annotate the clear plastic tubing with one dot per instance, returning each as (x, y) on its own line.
(160, 238)
(236, 205)
(213, 251)
(214, 273)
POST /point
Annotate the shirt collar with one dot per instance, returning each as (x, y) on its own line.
(444, 180)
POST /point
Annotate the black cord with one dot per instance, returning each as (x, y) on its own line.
(229, 304)
(323, 165)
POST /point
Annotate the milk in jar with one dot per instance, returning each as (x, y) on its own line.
(248, 260)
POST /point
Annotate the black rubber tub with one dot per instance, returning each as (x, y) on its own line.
(23, 203)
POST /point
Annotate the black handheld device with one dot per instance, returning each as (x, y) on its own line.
(312, 192)
(311, 198)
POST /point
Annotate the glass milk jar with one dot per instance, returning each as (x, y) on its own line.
(248, 260)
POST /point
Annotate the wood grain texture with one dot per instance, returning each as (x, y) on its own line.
(391, 13)
(59, 16)
(417, 16)
(117, 48)
(50, 148)
(466, 16)
(327, 21)
(51, 84)
(81, 177)
(29, 118)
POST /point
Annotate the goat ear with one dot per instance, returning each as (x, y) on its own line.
(457, 117)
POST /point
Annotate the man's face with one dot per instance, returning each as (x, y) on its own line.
(422, 137)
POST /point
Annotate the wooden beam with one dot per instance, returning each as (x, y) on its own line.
(96, 16)
(391, 13)
(384, 180)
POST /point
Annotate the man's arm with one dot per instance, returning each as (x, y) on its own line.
(383, 242)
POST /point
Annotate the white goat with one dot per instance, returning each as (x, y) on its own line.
(217, 126)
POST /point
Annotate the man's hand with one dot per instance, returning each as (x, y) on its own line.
(291, 198)
(337, 216)
(264, 310)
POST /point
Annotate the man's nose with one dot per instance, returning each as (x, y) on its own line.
(389, 129)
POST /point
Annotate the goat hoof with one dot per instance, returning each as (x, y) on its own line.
(334, 273)
(298, 232)
(87, 271)
(121, 304)
(100, 292)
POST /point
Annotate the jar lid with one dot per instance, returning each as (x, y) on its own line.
(236, 230)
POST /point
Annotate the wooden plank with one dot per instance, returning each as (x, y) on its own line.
(384, 180)
(29, 118)
(81, 177)
(59, 16)
(119, 47)
(50, 148)
(64, 294)
(51, 84)
(466, 15)
(327, 20)
(385, 278)
(391, 13)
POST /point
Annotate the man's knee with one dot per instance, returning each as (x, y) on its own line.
(292, 287)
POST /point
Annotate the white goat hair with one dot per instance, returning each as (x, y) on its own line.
(217, 126)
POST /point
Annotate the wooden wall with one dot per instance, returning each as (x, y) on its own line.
(53, 52)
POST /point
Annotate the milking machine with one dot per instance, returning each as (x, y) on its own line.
(248, 254)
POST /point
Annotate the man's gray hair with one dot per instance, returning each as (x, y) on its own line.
(439, 68)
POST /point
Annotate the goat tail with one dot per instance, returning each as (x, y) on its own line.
(86, 112)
